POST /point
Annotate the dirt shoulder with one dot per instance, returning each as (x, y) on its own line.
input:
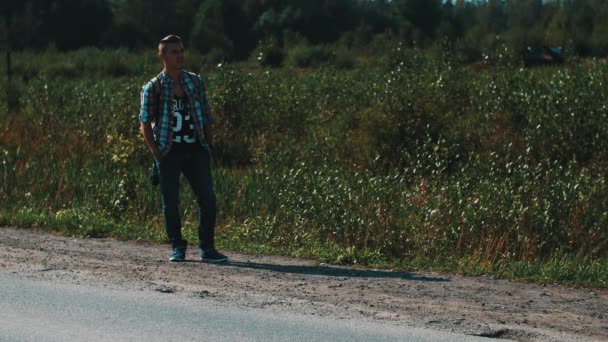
(472, 305)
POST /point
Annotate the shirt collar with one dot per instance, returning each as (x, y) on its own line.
(165, 77)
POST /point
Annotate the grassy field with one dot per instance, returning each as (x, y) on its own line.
(417, 163)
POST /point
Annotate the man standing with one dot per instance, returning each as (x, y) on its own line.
(181, 141)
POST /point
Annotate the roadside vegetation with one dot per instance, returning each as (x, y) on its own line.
(415, 161)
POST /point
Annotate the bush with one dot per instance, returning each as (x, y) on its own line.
(272, 57)
(310, 56)
(423, 158)
(344, 59)
(65, 69)
(215, 57)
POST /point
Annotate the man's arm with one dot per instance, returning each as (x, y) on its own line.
(148, 108)
(146, 130)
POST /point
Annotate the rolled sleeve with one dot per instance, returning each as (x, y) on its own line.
(148, 103)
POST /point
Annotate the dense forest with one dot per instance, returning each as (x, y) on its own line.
(236, 30)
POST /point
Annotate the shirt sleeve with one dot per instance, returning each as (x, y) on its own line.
(208, 118)
(148, 104)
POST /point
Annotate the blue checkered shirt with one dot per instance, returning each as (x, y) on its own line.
(157, 106)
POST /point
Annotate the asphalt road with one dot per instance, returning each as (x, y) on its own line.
(48, 311)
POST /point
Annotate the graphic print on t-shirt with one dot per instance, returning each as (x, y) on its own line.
(183, 127)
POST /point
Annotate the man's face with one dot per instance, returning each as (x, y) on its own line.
(173, 57)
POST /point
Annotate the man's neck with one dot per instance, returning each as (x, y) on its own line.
(173, 73)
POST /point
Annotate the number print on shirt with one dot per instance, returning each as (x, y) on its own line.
(181, 134)
(179, 122)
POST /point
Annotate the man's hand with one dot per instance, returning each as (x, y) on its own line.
(156, 153)
(146, 130)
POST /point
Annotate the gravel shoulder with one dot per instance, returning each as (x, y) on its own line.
(479, 306)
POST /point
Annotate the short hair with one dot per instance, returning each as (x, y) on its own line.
(168, 39)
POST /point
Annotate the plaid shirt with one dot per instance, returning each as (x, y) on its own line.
(157, 106)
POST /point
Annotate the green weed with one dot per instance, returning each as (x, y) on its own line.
(421, 163)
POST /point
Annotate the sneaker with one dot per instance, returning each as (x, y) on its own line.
(179, 254)
(213, 256)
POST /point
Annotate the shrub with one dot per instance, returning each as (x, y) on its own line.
(344, 59)
(310, 56)
(215, 57)
(65, 69)
(272, 57)
(424, 158)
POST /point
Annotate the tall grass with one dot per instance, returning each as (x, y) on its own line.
(421, 159)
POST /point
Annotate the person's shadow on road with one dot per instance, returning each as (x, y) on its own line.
(333, 271)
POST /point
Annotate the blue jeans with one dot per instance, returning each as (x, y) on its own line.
(196, 167)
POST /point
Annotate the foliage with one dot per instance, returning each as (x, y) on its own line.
(223, 26)
(306, 57)
(231, 30)
(425, 158)
(269, 54)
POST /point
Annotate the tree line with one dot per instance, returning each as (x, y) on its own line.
(238, 29)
